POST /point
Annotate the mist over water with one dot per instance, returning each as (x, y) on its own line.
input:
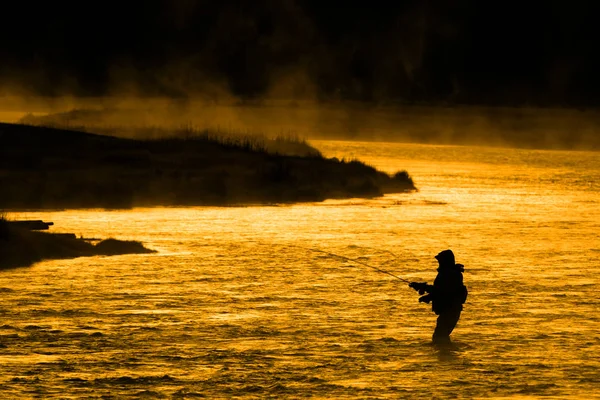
(238, 303)
(131, 116)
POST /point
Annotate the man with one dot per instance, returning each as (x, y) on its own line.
(446, 295)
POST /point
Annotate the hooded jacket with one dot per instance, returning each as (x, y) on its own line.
(448, 291)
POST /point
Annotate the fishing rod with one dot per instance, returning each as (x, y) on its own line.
(352, 260)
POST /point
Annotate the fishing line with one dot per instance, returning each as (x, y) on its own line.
(351, 260)
(396, 257)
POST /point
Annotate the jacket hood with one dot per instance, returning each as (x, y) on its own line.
(446, 257)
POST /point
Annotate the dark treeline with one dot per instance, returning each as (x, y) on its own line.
(462, 52)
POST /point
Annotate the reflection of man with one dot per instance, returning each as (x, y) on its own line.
(447, 295)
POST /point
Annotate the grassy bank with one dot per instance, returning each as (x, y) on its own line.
(56, 168)
(21, 247)
(131, 125)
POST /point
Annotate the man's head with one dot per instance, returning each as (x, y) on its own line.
(446, 258)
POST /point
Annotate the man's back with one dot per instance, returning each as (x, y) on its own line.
(449, 290)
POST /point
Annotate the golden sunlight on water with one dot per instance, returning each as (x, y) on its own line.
(242, 301)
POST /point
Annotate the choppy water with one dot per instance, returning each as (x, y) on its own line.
(238, 304)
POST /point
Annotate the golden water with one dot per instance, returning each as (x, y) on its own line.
(237, 302)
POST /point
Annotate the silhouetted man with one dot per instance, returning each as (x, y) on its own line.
(446, 295)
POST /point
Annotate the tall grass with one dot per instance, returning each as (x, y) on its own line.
(284, 143)
(4, 228)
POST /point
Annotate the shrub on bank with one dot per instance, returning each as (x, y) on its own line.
(20, 247)
(114, 247)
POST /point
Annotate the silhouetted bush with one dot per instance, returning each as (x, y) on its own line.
(113, 247)
(401, 176)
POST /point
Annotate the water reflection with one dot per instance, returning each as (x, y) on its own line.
(449, 352)
(234, 304)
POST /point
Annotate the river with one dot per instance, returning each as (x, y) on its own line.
(250, 302)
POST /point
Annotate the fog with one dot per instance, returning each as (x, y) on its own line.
(549, 128)
(412, 51)
(409, 71)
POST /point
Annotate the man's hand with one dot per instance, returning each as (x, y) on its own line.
(418, 286)
(425, 299)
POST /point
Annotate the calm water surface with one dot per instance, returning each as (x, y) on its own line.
(242, 301)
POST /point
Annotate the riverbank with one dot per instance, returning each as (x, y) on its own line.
(46, 168)
(20, 247)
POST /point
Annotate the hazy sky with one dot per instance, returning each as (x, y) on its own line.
(464, 51)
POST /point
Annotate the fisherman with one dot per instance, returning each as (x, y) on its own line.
(447, 295)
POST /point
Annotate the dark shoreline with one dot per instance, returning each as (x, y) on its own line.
(20, 247)
(47, 168)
